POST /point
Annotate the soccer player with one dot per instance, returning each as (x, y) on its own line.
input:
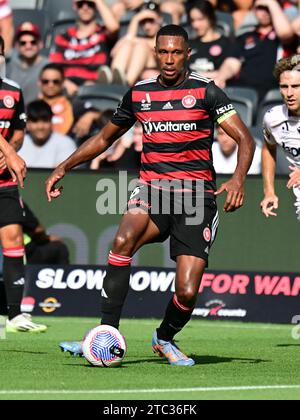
(12, 169)
(282, 128)
(177, 111)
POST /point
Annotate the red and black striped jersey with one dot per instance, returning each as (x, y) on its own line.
(80, 58)
(178, 127)
(12, 117)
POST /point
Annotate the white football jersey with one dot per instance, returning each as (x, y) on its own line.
(284, 130)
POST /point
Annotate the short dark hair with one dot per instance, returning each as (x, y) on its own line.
(2, 44)
(206, 8)
(173, 30)
(54, 66)
(39, 110)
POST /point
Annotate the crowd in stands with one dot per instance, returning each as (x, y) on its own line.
(103, 47)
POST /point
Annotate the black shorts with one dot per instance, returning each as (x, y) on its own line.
(11, 207)
(189, 235)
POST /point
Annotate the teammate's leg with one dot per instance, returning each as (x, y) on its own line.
(11, 237)
(135, 231)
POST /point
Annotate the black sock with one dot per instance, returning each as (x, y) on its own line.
(14, 279)
(115, 289)
(3, 301)
(176, 317)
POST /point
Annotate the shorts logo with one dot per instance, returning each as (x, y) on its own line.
(9, 101)
(189, 101)
(135, 192)
(207, 234)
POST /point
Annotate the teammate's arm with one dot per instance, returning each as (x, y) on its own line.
(237, 130)
(13, 162)
(86, 152)
(270, 201)
(17, 139)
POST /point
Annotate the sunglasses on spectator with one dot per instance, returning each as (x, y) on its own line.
(54, 81)
(33, 42)
(82, 3)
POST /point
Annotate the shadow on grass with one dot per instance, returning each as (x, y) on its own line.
(288, 345)
(22, 351)
(200, 360)
(213, 360)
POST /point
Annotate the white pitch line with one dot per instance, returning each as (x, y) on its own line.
(148, 391)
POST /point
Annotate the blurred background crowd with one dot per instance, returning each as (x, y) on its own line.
(75, 59)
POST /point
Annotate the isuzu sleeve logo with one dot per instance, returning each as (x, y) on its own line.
(224, 109)
(168, 126)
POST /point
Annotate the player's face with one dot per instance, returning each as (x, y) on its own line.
(290, 90)
(172, 55)
(51, 83)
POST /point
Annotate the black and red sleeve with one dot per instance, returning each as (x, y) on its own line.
(124, 115)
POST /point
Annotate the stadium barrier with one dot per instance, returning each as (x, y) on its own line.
(241, 296)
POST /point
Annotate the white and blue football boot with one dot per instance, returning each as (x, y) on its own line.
(171, 352)
(72, 347)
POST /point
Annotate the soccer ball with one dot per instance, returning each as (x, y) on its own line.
(104, 346)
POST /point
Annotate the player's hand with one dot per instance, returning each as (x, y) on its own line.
(294, 177)
(51, 190)
(269, 204)
(235, 195)
(17, 168)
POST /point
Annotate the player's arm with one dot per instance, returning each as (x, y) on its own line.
(223, 113)
(237, 130)
(270, 201)
(17, 139)
(86, 152)
(12, 161)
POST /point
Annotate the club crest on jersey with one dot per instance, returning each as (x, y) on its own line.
(9, 101)
(207, 234)
(189, 101)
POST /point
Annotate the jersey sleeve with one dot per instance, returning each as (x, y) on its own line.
(19, 121)
(218, 104)
(267, 131)
(124, 115)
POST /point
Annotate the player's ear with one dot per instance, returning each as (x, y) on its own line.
(189, 53)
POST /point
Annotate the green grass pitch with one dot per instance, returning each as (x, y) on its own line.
(234, 361)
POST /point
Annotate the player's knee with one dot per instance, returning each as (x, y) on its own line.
(186, 296)
(124, 244)
(13, 239)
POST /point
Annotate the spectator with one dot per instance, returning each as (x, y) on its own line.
(225, 150)
(210, 48)
(82, 49)
(243, 15)
(6, 25)
(172, 7)
(256, 52)
(133, 54)
(25, 66)
(42, 147)
(40, 247)
(51, 84)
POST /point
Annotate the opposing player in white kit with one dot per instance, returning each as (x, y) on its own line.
(282, 128)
